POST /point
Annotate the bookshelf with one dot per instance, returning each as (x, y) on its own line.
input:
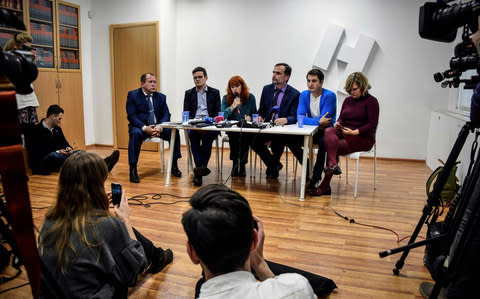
(15, 6)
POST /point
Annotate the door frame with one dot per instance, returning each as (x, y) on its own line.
(112, 66)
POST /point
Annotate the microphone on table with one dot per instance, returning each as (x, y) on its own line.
(273, 114)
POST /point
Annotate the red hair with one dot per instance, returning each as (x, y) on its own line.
(244, 94)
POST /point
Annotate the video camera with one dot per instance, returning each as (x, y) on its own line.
(439, 21)
(18, 65)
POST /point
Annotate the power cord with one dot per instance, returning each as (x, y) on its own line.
(13, 288)
(138, 200)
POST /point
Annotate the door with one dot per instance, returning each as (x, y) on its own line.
(134, 51)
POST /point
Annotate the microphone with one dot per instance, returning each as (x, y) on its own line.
(236, 94)
(271, 114)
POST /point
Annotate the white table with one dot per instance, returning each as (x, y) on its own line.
(307, 132)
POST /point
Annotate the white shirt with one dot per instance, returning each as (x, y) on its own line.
(243, 285)
(27, 100)
(314, 105)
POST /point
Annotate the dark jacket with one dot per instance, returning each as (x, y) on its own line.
(43, 142)
(190, 101)
(138, 111)
(288, 107)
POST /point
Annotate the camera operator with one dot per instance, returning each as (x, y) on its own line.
(26, 102)
(475, 101)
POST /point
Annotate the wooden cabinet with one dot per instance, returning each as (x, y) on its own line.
(55, 29)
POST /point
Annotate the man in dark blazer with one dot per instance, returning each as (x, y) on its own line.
(145, 109)
(285, 100)
(201, 101)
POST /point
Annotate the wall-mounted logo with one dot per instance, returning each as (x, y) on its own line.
(355, 57)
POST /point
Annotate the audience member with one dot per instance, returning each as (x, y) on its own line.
(227, 241)
(238, 104)
(354, 130)
(85, 251)
(48, 148)
(26, 103)
(202, 101)
(146, 109)
(285, 100)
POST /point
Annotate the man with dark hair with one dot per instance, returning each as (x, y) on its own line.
(201, 101)
(278, 104)
(227, 241)
(146, 109)
(319, 107)
(48, 147)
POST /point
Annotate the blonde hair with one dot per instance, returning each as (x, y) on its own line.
(17, 40)
(359, 79)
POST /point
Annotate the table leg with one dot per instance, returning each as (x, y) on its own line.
(189, 152)
(306, 140)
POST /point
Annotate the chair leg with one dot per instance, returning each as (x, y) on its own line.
(218, 156)
(356, 179)
(162, 161)
(255, 165)
(250, 158)
(286, 163)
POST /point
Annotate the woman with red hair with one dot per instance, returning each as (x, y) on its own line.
(238, 104)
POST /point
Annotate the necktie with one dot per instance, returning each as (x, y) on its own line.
(151, 115)
(276, 101)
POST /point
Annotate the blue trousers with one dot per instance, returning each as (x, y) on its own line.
(201, 144)
(137, 136)
(52, 162)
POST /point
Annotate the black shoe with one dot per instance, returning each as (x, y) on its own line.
(234, 171)
(205, 171)
(112, 159)
(272, 172)
(312, 184)
(197, 180)
(133, 174)
(175, 171)
(241, 172)
(337, 170)
(160, 260)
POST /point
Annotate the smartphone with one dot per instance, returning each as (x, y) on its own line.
(116, 193)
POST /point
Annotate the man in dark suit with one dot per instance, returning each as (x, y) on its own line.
(145, 109)
(201, 101)
(285, 100)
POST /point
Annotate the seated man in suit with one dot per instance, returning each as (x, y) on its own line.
(285, 100)
(319, 107)
(145, 109)
(201, 101)
(48, 148)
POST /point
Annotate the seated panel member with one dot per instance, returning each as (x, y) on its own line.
(48, 148)
(227, 241)
(285, 97)
(319, 105)
(354, 130)
(238, 104)
(145, 109)
(201, 101)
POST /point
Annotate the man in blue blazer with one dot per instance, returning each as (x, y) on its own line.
(278, 104)
(145, 109)
(201, 101)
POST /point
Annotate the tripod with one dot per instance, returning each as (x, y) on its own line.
(433, 201)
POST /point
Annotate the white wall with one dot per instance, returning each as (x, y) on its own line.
(248, 37)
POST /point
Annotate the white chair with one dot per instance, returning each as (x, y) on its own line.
(162, 150)
(356, 156)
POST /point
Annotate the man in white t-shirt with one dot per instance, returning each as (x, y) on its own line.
(227, 241)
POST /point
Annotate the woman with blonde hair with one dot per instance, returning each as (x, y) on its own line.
(238, 104)
(85, 250)
(354, 130)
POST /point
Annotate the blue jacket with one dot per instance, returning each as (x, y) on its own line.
(328, 103)
(137, 108)
(288, 107)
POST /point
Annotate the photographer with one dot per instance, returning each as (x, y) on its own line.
(475, 101)
(86, 251)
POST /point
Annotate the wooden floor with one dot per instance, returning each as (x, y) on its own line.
(306, 235)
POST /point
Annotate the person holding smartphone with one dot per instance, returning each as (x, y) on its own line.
(87, 250)
(354, 130)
